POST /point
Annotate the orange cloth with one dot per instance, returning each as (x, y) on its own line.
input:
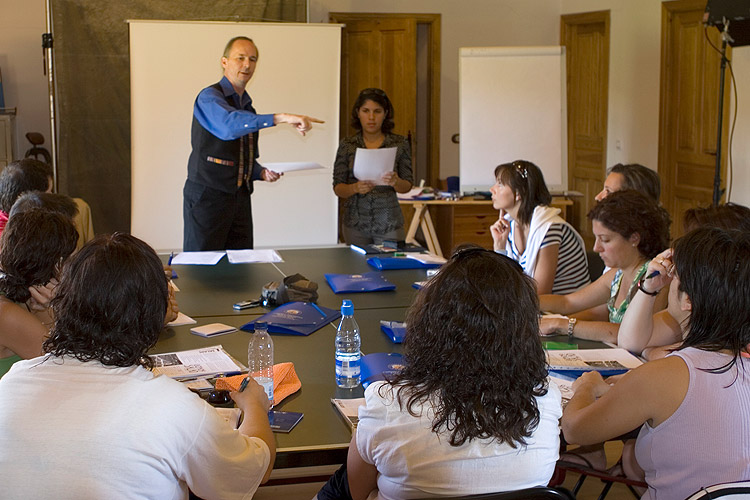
(285, 382)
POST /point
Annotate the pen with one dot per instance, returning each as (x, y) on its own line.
(318, 309)
(244, 383)
(652, 275)
(171, 256)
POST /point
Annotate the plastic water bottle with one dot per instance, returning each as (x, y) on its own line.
(260, 358)
(347, 348)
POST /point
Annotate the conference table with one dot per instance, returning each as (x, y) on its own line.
(208, 292)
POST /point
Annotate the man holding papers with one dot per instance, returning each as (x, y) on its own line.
(222, 166)
(370, 168)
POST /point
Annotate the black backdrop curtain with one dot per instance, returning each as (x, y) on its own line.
(92, 70)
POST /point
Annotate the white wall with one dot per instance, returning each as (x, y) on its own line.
(24, 82)
(464, 23)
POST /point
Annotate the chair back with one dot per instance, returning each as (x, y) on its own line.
(537, 493)
(735, 491)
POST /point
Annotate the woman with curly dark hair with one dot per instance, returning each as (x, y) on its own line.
(100, 419)
(371, 210)
(630, 229)
(33, 247)
(472, 410)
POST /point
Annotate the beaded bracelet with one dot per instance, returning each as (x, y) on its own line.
(640, 287)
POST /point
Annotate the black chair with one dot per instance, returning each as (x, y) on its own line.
(538, 493)
(36, 139)
(736, 491)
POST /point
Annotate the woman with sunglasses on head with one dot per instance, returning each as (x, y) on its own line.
(692, 405)
(532, 233)
(472, 411)
(371, 211)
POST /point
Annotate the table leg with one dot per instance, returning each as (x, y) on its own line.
(414, 224)
(428, 228)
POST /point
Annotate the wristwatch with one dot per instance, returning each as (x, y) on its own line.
(571, 324)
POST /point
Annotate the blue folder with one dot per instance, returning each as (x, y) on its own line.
(385, 263)
(379, 365)
(395, 330)
(295, 318)
(353, 283)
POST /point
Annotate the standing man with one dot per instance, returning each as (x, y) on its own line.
(222, 166)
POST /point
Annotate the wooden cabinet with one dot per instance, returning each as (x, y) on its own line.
(456, 224)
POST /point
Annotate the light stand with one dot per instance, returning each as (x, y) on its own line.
(725, 39)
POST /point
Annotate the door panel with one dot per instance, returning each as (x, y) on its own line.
(689, 109)
(586, 38)
(381, 53)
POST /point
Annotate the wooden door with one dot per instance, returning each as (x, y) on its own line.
(689, 111)
(380, 53)
(586, 41)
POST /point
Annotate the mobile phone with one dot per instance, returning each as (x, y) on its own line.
(246, 304)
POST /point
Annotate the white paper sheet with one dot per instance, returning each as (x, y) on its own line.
(195, 363)
(371, 164)
(253, 256)
(182, 319)
(198, 258)
(292, 166)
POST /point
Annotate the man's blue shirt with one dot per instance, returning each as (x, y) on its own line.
(224, 121)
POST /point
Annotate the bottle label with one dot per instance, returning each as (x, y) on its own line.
(347, 366)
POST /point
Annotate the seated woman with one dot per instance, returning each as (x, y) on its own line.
(655, 335)
(90, 415)
(472, 411)
(533, 233)
(371, 212)
(684, 443)
(630, 229)
(32, 247)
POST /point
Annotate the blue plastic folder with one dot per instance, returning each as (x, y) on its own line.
(354, 283)
(385, 263)
(395, 330)
(379, 365)
(295, 318)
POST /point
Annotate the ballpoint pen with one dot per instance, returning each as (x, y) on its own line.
(318, 309)
(244, 383)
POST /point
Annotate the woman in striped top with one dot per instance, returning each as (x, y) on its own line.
(533, 233)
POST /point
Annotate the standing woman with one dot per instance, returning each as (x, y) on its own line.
(532, 233)
(371, 212)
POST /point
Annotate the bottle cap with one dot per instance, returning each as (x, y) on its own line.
(261, 325)
(347, 308)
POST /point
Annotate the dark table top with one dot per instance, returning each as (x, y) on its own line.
(208, 292)
(211, 290)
